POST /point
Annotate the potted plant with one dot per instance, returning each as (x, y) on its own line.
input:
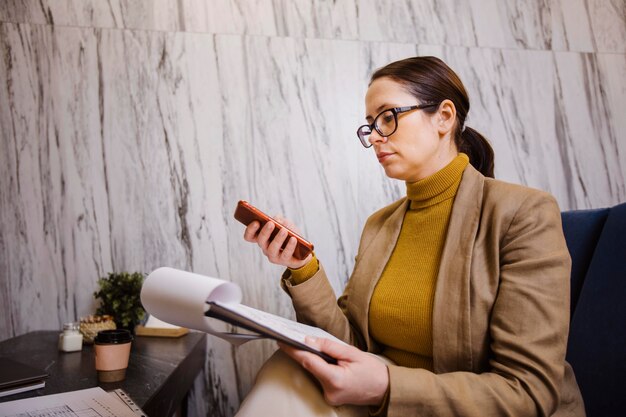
(119, 297)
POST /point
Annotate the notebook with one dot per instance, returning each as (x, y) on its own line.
(17, 377)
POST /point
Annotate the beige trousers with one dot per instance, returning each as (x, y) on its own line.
(284, 388)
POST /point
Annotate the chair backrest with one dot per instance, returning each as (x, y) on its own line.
(582, 229)
(597, 342)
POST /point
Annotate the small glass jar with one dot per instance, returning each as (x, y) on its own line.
(70, 340)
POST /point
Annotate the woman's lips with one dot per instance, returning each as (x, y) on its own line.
(382, 156)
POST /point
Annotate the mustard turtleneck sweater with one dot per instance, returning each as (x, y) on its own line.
(401, 308)
(400, 316)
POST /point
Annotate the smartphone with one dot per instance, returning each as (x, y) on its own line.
(246, 213)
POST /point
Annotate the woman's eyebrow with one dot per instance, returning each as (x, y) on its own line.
(378, 110)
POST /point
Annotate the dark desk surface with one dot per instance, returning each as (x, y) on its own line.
(159, 375)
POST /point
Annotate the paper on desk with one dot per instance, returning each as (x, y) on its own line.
(184, 303)
(159, 324)
(87, 402)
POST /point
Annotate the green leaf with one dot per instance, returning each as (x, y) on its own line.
(119, 296)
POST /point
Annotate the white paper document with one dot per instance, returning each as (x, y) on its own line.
(92, 402)
(185, 299)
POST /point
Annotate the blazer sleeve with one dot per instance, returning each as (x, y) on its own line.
(315, 304)
(528, 331)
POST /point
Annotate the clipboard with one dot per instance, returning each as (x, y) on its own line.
(121, 395)
(222, 312)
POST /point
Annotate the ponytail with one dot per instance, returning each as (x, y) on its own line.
(478, 149)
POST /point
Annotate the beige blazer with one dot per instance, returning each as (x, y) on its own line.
(500, 314)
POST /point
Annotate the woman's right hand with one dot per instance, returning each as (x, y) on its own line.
(272, 248)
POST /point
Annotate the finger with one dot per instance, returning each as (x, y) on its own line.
(250, 233)
(264, 235)
(339, 351)
(287, 253)
(292, 352)
(276, 244)
(309, 361)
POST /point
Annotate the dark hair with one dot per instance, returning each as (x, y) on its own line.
(430, 80)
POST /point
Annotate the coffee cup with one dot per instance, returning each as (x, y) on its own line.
(112, 351)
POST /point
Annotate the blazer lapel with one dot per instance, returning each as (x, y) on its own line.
(451, 309)
(367, 272)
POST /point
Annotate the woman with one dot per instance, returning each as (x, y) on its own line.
(461, 288)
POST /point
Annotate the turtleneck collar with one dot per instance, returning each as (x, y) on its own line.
(438, 187)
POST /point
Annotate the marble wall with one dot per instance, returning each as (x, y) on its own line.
(130, 129)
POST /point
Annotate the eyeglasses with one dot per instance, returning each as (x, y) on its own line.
(386, 122)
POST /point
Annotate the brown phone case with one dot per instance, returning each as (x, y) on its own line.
(246, 213)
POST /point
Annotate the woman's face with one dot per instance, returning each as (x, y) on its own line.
(421, 144)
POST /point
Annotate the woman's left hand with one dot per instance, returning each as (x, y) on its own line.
(358, 378)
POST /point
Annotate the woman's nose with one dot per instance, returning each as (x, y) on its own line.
(376, 137)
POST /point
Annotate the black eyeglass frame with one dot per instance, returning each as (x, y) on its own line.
(395, 111)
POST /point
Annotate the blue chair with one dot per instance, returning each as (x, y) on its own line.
(596, 240)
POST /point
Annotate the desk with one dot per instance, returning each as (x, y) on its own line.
(160, 371)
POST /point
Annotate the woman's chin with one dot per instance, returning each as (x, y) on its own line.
(396, 174)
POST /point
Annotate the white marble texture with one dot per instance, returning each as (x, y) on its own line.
(589, 97)
(560, 25)
(294, 18)
(487, 23)
(589, 25)
(417, 22)
(130, 129)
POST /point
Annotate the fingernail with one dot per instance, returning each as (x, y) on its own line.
(309, 339)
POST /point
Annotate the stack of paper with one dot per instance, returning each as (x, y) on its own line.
(87, 402)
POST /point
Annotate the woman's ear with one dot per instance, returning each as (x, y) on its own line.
(446, 117)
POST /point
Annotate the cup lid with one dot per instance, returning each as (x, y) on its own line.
(113, 336)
